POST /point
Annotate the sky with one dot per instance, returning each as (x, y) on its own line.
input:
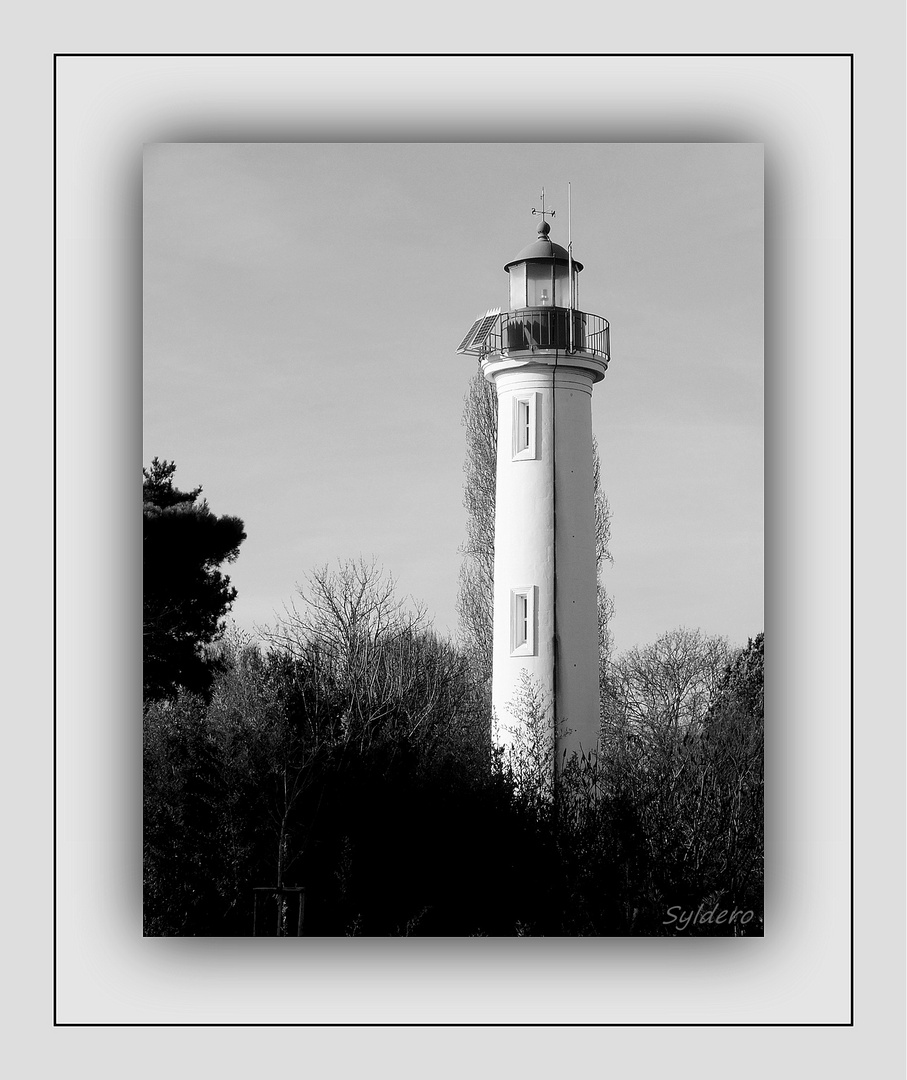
(302, 307)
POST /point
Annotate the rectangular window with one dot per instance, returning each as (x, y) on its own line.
(522, 615)
(522, 621)
(525, 424)
(525, 427)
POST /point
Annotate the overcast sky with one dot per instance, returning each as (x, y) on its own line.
(302, 308)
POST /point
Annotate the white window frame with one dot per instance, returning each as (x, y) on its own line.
(523, 606)
(525, 416)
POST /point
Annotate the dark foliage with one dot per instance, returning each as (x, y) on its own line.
(186, 596)
(373, 785)
(398, 833)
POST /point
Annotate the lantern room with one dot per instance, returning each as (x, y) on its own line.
(540, 275)
(544, 318)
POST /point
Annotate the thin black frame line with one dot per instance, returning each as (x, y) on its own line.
(852, 697)
(457, 1024)
(454, 56)
(54, 546)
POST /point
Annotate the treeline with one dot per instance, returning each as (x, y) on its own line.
(351, 754)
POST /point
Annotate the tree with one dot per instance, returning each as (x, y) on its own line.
(657, 692)
(185, 594)
(602, 556)
(742, 686)
(386, 674)
(734, 741)
(476, 596)
(682, 770)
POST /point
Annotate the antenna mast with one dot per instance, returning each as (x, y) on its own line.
(570, 273)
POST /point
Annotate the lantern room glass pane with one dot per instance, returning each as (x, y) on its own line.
(539, 285)
(517, 286)
(561, 286)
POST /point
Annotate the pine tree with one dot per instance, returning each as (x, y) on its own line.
(185, 594)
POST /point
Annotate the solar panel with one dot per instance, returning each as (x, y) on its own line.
(485, 326)
(462, 346)
(479, 331)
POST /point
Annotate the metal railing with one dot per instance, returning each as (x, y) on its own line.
(531, 329)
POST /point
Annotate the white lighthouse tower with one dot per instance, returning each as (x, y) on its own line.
(544, 357)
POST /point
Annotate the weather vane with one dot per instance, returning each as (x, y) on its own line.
(543, 211)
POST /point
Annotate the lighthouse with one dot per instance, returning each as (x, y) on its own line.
(544, 356)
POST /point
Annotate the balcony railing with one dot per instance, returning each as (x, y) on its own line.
(532, 329)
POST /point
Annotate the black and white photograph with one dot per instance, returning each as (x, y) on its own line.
(511, 428)
(453, 538)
